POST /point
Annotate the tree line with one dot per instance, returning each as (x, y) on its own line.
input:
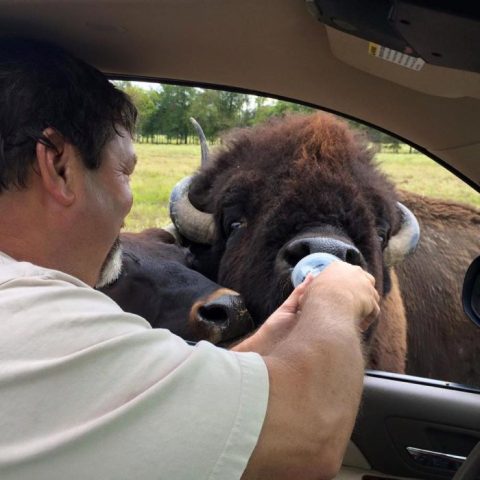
(165, 111)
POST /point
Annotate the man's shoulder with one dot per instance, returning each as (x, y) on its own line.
(36, 288)
(13, 271)
(37, 302)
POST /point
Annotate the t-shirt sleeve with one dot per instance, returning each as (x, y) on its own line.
(89, 391)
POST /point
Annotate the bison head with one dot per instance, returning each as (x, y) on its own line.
(275, 193)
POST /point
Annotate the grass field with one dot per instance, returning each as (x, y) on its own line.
(158, 169)
(161, 166)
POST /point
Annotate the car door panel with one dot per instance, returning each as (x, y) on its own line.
(440, 421)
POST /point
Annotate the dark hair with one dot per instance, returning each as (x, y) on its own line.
(43, 86)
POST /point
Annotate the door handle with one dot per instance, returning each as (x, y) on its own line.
(443, 461)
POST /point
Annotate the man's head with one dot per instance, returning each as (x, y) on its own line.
(65, 158)
(42, 86)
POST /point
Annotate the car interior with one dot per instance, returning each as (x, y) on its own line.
(410, 68)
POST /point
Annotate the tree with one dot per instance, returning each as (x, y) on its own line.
(267, 108)
(167, 109)
(147, 102)
(218, 111)
(204, 109)
(173, 112)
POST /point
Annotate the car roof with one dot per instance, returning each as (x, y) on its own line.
(272, 47)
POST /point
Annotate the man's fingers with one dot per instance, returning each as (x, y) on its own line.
(290, 305)
(370, 318)
(370, 277)
(360, 282)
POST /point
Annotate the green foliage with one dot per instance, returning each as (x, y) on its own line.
(165, 111)
(147, 102)
(279, 108)
(218, 111)
(173, 112)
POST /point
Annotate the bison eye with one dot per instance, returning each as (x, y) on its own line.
(382, 236)
(383, 232)
(233, 227)
(231, 222)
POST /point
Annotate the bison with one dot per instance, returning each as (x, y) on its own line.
(278, 192)
(152, 278)
(442, 342)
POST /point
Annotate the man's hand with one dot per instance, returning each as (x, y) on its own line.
(341, 285)
(346, 288)
(312, 348)
(278, 325)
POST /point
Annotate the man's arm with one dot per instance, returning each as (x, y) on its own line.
(315, 365)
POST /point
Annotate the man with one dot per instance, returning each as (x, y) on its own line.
(89, 391)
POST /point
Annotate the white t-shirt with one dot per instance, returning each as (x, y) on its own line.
(88, 391)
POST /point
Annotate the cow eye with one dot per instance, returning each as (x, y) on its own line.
(235, 226)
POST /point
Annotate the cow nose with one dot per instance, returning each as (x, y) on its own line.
(299, 248)
(218, 312)
(225, 317)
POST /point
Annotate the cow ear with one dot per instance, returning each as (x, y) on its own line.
(174, 236)
(405, 241)
(112, 271)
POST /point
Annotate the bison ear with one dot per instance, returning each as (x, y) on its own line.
(405, 241)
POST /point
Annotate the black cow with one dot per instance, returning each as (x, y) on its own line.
(153, 280)
(278, 192)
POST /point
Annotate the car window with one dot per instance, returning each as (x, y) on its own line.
(440, 341)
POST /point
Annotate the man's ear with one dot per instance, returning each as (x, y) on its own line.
(54, 166)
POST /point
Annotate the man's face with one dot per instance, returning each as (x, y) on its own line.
(108, 197)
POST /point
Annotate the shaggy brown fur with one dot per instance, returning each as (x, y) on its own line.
(442, 342)
(388, 349)
(270, 184)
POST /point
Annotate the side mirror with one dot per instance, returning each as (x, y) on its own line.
(471, 292)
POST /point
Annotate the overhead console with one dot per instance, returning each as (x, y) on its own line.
(416, 46)
(438, 32)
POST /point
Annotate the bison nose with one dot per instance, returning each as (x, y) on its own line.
(223, 316)
(299, 248)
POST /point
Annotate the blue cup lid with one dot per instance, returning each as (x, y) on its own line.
(314, 264)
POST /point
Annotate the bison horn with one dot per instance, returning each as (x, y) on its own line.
(192, 223)
(203, 142)
(405, 241)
